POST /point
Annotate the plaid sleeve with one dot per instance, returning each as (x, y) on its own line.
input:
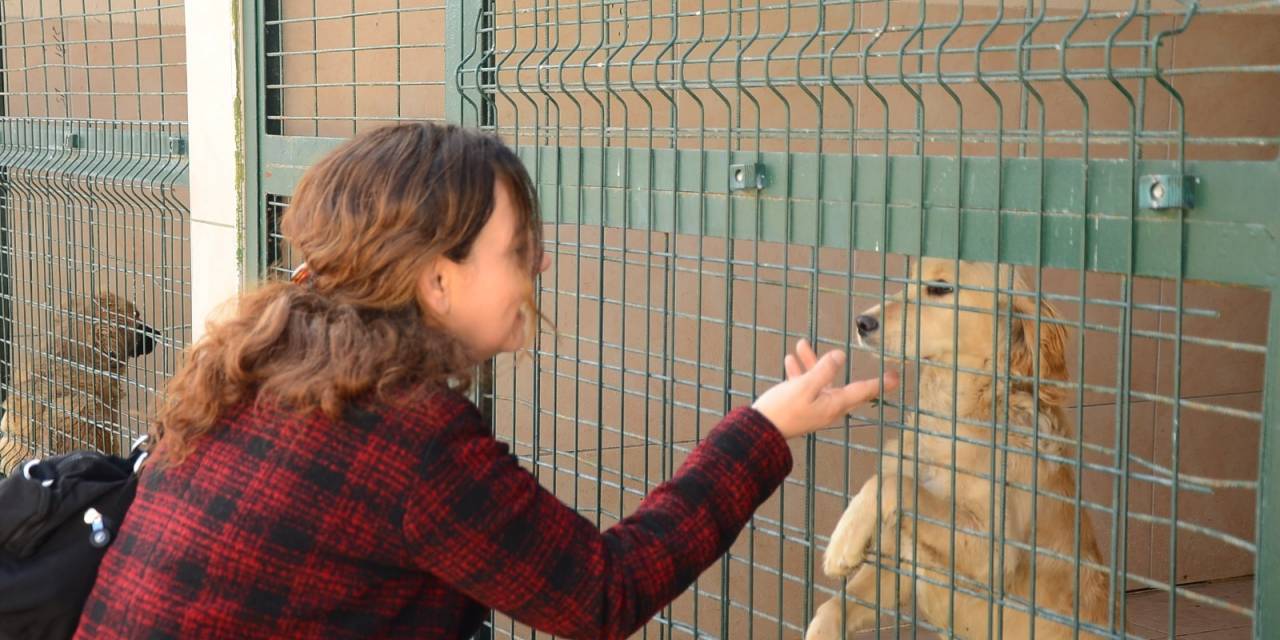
(484, 525)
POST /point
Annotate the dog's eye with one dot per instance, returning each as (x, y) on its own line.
(939, 288)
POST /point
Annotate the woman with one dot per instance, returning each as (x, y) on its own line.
(320, 474)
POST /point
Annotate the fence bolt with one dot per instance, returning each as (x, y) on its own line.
(745, 177)
(1159, 192)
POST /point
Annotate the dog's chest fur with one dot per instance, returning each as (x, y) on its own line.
(67, 388)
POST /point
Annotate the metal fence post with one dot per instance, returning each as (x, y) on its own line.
(6, 246)
(1266, 592)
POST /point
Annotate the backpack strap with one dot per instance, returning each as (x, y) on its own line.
(140, 451)
(138, 454)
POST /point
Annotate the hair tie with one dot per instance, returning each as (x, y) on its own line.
(302, 275)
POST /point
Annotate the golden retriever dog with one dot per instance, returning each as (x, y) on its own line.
(71, 400)
(964, 345)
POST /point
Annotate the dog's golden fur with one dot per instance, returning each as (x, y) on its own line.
(71, 399)
(947, 346)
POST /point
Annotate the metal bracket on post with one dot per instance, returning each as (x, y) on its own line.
(1159, 192)
(746, 177)
(177, 145)
(71, 141)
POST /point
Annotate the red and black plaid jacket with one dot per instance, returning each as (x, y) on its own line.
(407, 520)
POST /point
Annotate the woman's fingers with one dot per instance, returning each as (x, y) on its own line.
(803, 360)
(849, 397)
(806, 354)
(860, 391)
(792, 367)
(822, 373)
(808, 399)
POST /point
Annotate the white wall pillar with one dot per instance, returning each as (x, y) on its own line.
(216, 154)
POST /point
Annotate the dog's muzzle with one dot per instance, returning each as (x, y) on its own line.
(867, 325)
(145, 341)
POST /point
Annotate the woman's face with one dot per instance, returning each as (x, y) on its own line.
(483, 299)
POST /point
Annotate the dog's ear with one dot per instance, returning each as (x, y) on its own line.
(115, 327)
(1052, 347)
(73, 337)
(87, 334)
(113, 340)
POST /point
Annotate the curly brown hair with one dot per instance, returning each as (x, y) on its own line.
(367, 220)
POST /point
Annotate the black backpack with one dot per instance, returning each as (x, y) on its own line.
(57, 517)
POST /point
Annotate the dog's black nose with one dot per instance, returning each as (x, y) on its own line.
(867, 324)
(146, 341)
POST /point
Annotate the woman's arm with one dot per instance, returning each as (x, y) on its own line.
(484, 525)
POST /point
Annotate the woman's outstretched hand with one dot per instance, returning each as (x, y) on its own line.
(806, 401)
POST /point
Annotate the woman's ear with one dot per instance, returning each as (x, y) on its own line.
(434, 285)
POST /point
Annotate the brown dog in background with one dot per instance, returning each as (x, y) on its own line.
(951, 351)
(71, 400)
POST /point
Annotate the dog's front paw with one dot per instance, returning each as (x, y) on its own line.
(826, 623)
(838, 566)
(849, 541)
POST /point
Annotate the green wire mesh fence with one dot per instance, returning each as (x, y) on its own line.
(334, 68)
(721, 177)
(94, 275)
(329, 70)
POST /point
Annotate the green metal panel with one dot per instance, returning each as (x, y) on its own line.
(107, 151)
(463, 43)
(250, 26)
(1267, 591)
(6, 250)
(631, 114)
(1230, 233)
